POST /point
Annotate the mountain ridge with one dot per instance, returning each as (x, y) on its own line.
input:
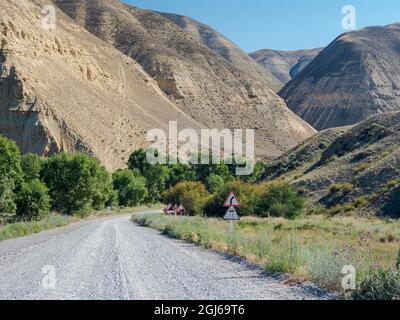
(355, 77)
(211, 89)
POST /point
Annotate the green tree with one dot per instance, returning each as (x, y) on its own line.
(33, 200)
(259, 169)
(214, 183)
(8, 206)
(130, 186)
(281, 200)
(180, 173)
(77, 183)
(156, 175)
(31, 166)
(10, 176)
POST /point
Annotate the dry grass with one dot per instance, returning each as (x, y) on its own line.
(313, 248)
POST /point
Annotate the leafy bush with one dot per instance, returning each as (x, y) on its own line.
(77, 183)
(7, 199)
(156, 175)
(247, 194)
(31, 166)
(193, 195)
(205, 170)
(379, 285)
(214, 183)
(280, 200)
(10, 176)
(180, 173)
(130, 186)
(33, 201)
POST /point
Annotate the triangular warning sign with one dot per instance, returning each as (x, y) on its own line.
(231, 214)
(231, 201)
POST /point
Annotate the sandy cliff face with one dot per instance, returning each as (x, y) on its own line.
(200, 71)
(356, 76)
(285, 65)
(66, 90)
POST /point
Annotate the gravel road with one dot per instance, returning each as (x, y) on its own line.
(112, 258)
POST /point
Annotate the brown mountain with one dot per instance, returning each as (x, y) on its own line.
(356, 76)
(285, 65)
(66, 90)
(201, 71)
(353, 168)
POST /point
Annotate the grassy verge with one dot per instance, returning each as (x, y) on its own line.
(313, 248)
(21, 229)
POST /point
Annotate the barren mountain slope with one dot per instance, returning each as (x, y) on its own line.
(206, 78)
(285, 65)
(355, 167)
(224, 47)
(66, 90)
(356, 76)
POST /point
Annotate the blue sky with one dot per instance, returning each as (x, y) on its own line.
(278, 24)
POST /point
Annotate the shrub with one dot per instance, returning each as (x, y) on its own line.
(7, 199)
(205, 170)
(281, 200)
(33, 201)
(214, 183)
(10, 176)
(31, 165)
(77, 183)
(344, 187)
(246, 192)
(379, 285)
(361, 168)
(193, 195)
(130, 186)
(180, 173)
(156, 175)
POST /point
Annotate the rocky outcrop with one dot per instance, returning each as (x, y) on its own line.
(63, 89)
(356, 76)
(201, 71)
(285, 65)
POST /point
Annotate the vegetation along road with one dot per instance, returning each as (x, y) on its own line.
(113, 258)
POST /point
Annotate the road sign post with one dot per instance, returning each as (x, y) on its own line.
(231, 215)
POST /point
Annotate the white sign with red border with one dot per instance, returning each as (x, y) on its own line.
(231, 201)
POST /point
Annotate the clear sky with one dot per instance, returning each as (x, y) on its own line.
(278, 24)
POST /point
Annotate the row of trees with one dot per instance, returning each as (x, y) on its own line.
(202, 189)
(263, 200)
(77, 184)
(69, 183)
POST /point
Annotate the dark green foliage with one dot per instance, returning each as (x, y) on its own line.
(280, 200)
(180, 173)
(10, 177)
(130, 186)
(8, 206)
(33, 201)
(156, 175)
(193, 195)
(214, 183)
(77, 183)
(31, 166)
(247, 194)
